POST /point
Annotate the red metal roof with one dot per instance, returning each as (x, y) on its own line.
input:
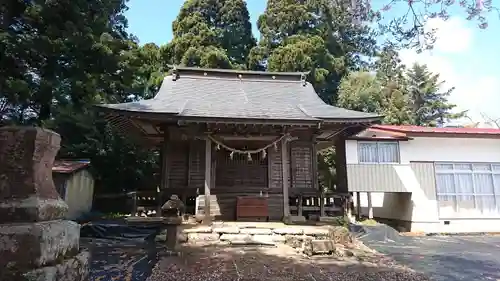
(446, 130)
(68, 166)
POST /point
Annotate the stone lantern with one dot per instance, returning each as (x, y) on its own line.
(36, 243)
(172, 211)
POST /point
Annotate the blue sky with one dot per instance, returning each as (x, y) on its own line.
(465, 56)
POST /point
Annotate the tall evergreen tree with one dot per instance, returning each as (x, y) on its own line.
(316, 36)
(364, 91)
(403, 96)
(59, 58)
(58, 52)
(390, 74)
(211, 33)
(429, 104)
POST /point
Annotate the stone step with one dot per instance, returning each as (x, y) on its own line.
(251, 243)
(257, 231)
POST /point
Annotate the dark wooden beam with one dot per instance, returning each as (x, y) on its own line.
(208, 180)
(285, 173)
(164, 169)
(340, 165)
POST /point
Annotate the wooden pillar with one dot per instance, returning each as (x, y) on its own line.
(300, 206)
(314, 160)
(164, 171)
(285, 173)
(322, 204)
(340, 165)
(208, 180)
(370, 207)
(358, 206)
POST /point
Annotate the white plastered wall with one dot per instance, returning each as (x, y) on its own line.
(422, 211)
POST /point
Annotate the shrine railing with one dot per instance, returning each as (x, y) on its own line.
(302, 202)
(309, 203)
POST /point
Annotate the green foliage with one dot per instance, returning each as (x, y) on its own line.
(212, 34)
(327, 175)
(60, 57)
(368, 222)
(117, 163)
(429, 104)
(402, 96)
(341, 221)
(58, 52)
(314, 36)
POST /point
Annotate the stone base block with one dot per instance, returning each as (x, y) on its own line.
(279, 238)
(32, 209)
(30, 245)
(203, 237)
(293, 241)
(316, 231)
(318, 247)
(294, 219)
(227, 230)
(235, 237)
(264, 239)
(256, 231)
(340, 235)
(288, 231)
(73, 269)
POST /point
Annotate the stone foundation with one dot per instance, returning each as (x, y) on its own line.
(310, 240)
(36, 243)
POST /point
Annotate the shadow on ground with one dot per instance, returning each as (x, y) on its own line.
(271, 263)
(123, 253)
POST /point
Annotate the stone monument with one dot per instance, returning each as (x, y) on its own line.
(36, 243)
(171, 211)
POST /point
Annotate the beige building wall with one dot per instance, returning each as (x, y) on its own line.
(79, 193)
(407, 191)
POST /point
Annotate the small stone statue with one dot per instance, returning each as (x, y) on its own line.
(173, 207)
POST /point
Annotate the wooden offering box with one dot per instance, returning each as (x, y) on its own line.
(251, 208)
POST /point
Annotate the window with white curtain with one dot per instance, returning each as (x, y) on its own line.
(378, 152)
(468, 190)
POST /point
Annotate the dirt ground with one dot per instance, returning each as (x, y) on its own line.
(280, 263)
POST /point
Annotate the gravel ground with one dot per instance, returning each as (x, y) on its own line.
(196, 263)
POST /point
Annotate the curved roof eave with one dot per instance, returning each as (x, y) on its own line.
(367, 119)
(119, 108)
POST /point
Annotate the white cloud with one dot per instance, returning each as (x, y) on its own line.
(474, 91)
(452, 36)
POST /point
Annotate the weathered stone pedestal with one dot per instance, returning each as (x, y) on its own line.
(36, 243)
(170, 232)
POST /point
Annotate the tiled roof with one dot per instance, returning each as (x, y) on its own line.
(68, 166)
(210, 93)
(442, 130)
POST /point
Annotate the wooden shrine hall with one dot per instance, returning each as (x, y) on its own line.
(243, 144)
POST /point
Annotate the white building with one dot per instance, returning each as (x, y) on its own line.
(434, 180)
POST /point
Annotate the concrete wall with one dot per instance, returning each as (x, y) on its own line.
(79, 193)
(417, 203)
